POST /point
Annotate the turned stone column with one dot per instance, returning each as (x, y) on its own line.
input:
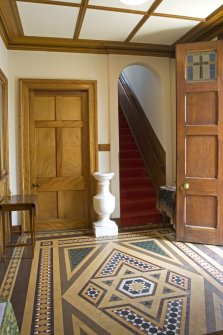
(104, 205)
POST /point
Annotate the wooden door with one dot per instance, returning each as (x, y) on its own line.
(61, 155)
(199, 211)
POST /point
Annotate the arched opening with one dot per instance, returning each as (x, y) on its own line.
(141, 134)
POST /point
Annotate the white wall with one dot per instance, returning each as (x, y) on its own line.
(55, 66)
(106, 70)
(3, 57)
(147, 86)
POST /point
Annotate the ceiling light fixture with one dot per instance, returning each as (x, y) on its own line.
(133, 2)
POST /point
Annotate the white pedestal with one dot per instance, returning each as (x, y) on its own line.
(104, 205)
(107, 230)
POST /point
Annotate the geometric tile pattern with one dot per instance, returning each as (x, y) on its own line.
(178, 280)
(92, 292)
(43, 304)
(11, 273)
(118, 258)
(151, 246)
(207, 266)
(171, 324)
(77, 255)
(137, 287)
(122, 288)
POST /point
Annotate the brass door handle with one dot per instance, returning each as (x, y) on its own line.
(35, 185)
(186, 186)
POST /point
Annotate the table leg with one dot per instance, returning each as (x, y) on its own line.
(10, 225)
(31, 229)
(3, 236)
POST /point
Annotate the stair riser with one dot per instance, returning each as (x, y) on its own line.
(136, 194)
(126, 222)
(144, 183)
(126, 162)
(130, 154)
(126, 138)
(125, 131)
(127, 173)
(123, 124)
(127, 146)
(144, 206)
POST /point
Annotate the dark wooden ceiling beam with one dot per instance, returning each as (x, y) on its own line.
(205, 30)
(80, 18)
(91, 46)
(4, 33)
(150, 11)
(10, 19)
(55, 3)
(180, 17)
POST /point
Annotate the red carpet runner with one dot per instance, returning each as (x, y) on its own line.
(137, 194)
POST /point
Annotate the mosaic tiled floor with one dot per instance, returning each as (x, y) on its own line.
(137, 283)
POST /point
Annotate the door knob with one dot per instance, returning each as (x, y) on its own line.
(35, 185)
(186, 186)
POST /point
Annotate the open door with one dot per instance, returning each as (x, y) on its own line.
(199, 209)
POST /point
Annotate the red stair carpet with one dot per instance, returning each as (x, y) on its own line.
(137, 194)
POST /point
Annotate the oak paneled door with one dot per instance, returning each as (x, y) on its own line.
(60, 136)
(199, 215)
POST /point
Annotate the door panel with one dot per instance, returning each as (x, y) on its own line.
(201, 211)
(199, 215)
(45, 160)
(71, 151)
(47, 205)
(57, 152)
(201, 108)
(199, 151)
(69, 108)
(44, 108)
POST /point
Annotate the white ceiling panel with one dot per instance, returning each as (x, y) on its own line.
(194, 8)
(48, 20)
(159, 30)
(106, 25)
(119, 4)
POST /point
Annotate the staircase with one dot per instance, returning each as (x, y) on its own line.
(137, 194)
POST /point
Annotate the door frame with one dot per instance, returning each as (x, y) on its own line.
(87, 86)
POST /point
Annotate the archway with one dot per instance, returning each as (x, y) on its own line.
(142, 157)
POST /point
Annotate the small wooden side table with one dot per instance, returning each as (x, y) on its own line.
(18, 203)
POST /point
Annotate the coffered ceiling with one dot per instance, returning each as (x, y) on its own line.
(108, 26)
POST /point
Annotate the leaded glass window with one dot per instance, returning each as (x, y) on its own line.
(201, 66)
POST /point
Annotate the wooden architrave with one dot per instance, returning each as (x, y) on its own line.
(4, 175)
(26, 86)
